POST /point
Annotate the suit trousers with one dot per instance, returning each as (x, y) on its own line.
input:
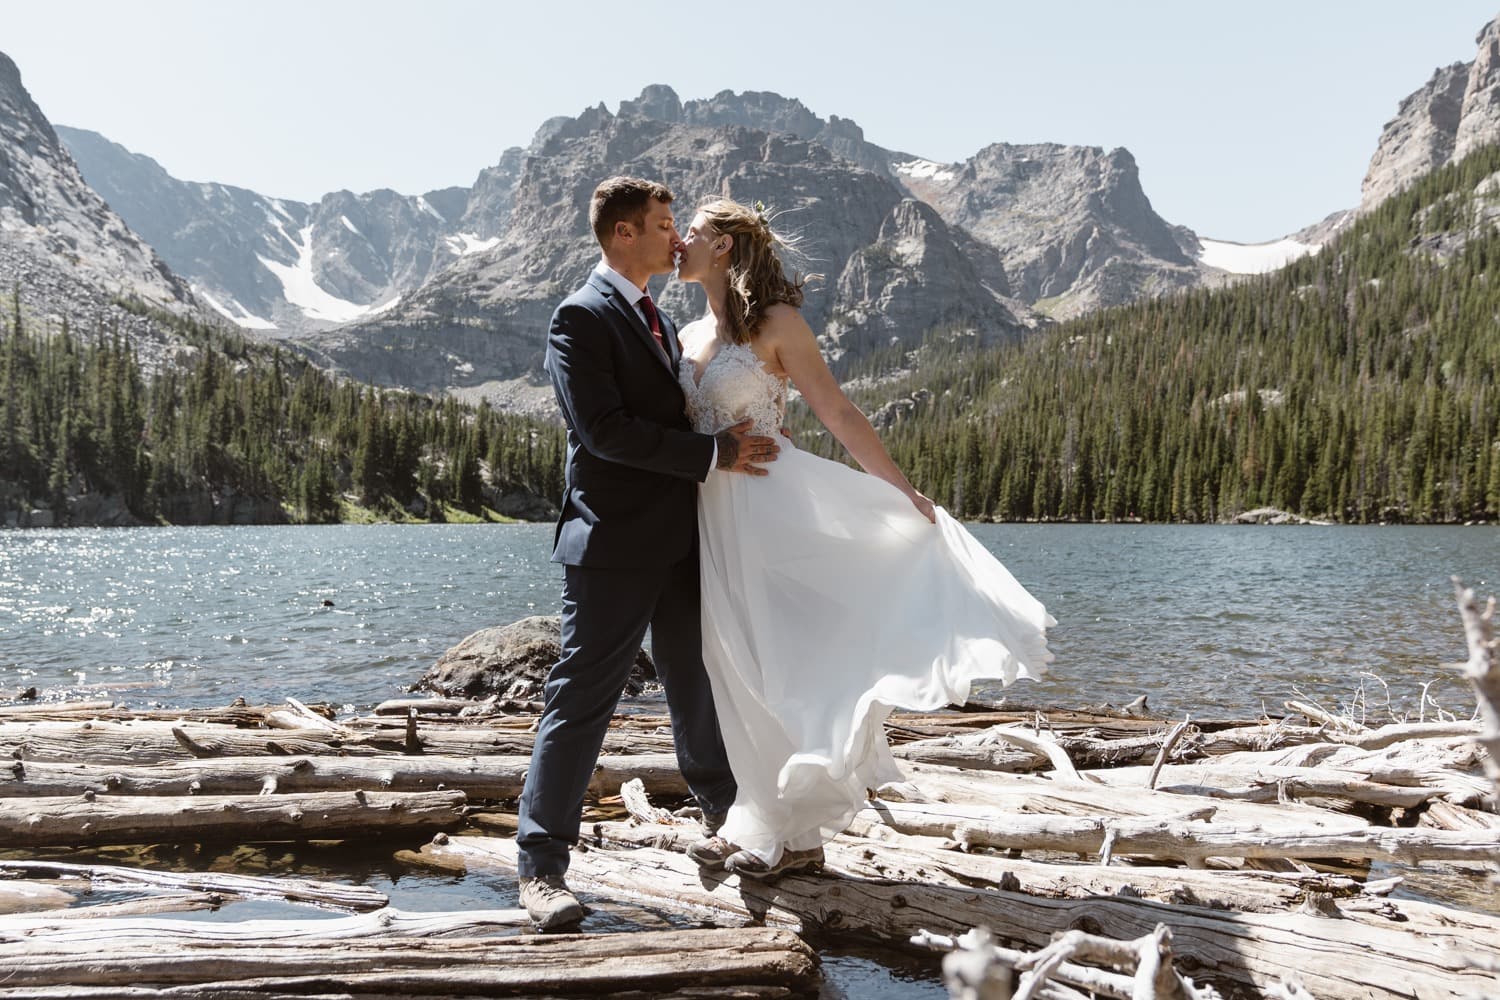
(605, 614)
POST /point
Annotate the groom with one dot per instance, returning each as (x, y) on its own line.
(627, 537)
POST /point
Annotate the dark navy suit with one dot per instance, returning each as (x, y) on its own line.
(628, 539)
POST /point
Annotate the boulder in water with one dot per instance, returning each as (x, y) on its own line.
(511, 662)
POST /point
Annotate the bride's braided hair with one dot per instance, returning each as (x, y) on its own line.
(757, 279)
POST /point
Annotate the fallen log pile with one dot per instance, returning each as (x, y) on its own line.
(1105, 853)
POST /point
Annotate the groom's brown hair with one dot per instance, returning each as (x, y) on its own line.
(623, 199)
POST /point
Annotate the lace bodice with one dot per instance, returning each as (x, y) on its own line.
(735, 385)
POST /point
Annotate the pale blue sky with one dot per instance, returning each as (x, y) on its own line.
(1248, 120)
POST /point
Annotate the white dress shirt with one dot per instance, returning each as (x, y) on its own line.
(633, 294)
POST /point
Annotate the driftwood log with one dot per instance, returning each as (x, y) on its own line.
(1360, 956)
(335, 895)
(480, 778)
(930, 860)
(105, 819)
(1483, 671)
(389, 953)
(152, 742)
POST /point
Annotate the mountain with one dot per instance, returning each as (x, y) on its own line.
(283, 267)
(1074, 229)
(892, 267)
(63, 247)
(1354, 385)
(905, 247)
(1071, 224)
(380, 284)
(1454, 113)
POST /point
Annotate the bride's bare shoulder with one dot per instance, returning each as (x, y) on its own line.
(783, 321)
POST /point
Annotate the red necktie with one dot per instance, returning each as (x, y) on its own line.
(653, 320)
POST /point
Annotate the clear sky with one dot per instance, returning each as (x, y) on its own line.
(1248, 120)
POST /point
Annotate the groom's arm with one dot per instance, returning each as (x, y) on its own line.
(581, 364)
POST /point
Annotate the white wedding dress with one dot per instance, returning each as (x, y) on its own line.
(828, 600)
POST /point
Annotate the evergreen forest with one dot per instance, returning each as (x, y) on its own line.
(235, 419)
(1356, 385)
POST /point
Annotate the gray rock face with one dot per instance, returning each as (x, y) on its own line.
(917, 275)
(68, 250)
(483, 321)
(1073, 228)
(283, 267)
(1420, 138)
(451, 291)
(1479, 124)
(511, 662)
(1454, 113)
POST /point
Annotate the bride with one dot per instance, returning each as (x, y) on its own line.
(830, 596)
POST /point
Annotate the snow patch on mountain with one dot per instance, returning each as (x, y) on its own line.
(300, 288)
(1252, 258)
(927, 170)
(464, 244)
(238, 314)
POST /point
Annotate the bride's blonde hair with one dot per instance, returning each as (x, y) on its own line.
(757, 278)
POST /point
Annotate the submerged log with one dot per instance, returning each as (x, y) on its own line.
(392, 954)
(42, 822)
(1355, 958)
(292, 890)
(22, 897)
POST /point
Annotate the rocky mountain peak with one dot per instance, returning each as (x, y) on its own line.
(657, 101)
(1452, 114)
(63, 243)
(1479, 123)
(1420, 138)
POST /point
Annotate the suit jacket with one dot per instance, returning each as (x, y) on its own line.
(634, 462)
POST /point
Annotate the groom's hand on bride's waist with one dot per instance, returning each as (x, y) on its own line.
(740, 451)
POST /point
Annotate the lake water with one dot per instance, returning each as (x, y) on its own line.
(1216, 621)
(1213, 620)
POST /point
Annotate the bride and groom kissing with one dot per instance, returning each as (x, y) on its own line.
(792, 601)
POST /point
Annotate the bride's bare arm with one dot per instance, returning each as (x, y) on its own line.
(787, 334)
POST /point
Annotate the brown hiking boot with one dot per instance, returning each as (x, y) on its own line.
(750, 866)
(550, 903)
(711, 852)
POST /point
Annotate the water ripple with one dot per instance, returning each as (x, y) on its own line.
(1208, 620)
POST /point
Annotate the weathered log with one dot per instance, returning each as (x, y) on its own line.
(386, 921)
(1194, 841)
(105, 819)
(921, 859)
(971, 796)
(159, 742)
(237, 714)
(389, 953)
(975, 962)
(1285, 784)
(1483, 671)
(1358, 957)
(481, 778)
(293, 890)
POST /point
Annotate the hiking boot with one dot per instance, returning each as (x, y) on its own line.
(550, 903)
(712, 852)
(749, 865)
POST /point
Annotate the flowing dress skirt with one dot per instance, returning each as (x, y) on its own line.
(828, 600)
